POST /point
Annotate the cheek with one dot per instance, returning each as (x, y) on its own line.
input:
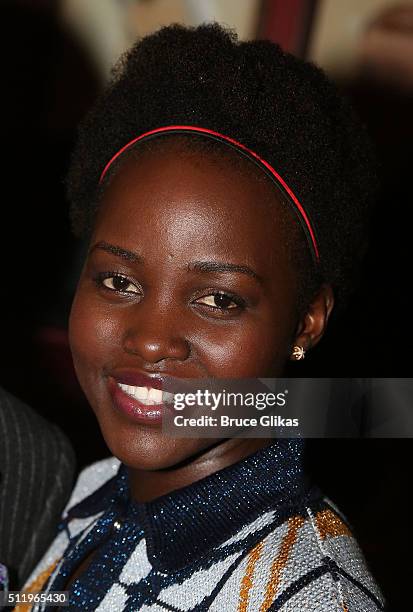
(94, 335)
(251, 349)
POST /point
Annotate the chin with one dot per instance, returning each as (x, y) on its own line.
(149, 449)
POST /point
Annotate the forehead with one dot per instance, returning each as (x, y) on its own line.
(226, 200)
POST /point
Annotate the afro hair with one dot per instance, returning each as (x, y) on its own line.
(284, 109)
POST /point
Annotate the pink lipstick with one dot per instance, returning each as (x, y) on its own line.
(138, 396)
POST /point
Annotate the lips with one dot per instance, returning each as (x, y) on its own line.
(137, 379)
(138, 396)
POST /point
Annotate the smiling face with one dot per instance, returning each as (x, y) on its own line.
(187, 276)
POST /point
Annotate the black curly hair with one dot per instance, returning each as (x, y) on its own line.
(283, 108)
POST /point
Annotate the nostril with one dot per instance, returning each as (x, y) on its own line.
(153, 350)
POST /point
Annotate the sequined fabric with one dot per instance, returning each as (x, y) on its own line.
(252, 537)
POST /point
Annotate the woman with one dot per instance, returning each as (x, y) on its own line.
(223, 188)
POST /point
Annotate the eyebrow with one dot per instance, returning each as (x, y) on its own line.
(217, 266)
(200, 266)
(118, 251)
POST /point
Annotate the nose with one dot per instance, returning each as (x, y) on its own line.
(156, 334)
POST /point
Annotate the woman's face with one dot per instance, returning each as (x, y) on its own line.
(187, 276)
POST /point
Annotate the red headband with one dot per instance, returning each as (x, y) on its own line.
(242, 148)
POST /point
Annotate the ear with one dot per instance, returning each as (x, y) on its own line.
(313, 323)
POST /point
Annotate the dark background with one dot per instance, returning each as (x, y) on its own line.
(48, 84)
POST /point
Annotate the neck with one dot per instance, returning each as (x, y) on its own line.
(146, 485)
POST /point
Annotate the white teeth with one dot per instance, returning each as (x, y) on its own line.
(141, 393)
(155, 395)
(147, 395)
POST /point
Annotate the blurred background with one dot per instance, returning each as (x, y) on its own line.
(57, 56)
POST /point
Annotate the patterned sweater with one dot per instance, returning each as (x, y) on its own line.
(252, 537)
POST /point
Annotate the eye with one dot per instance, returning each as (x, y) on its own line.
(117, 282)
(221, 301)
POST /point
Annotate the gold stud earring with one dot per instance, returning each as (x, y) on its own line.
(298, 353)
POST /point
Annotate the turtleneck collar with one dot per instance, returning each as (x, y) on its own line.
(185, 524)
